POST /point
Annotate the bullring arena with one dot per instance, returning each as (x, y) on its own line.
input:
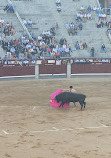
(31, 128)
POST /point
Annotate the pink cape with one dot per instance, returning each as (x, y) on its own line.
(54, 103)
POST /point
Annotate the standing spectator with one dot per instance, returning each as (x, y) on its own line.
(92, 51)
(103, 48)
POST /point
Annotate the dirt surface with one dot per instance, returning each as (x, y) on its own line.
(31, 128)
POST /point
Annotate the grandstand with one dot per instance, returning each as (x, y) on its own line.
(44, 15)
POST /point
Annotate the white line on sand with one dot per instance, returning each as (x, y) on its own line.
(5, 132)
(34, 108)
(54, 130)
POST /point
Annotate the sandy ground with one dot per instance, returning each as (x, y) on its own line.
(31, 128)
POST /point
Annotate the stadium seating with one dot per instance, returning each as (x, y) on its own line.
(44, 15)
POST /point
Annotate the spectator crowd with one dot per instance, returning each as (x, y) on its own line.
(45, 45)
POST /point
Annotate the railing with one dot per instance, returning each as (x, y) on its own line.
(107, 11)
(98, 4)
(53, 61)
(19, 18)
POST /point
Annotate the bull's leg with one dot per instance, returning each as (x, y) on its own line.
(84, 104)
(61, 105)
(81, 103)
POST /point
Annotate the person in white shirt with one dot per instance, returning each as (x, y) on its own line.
(94, 8)
(82, 8)
(67, 51)
(42, 43)
(64, 46)
(89, 15)
(29, 23)
(25, 22)
(58, 2)
(104, 16)
(28, 46)
(54, 50)
(2, 22)
(39, 38)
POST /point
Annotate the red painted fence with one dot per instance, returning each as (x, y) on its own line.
(51, 67)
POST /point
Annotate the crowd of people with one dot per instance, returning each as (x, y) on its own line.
(7, 28)
(84, 14)
(38, 47)
(73, 28)
(81, 45)
(45, 45)
(27, 23)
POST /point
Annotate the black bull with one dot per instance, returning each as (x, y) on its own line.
(67, 97)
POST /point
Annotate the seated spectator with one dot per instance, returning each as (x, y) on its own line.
(6, 8)
(89, 9)
(85, 17)
(59, 9)
(77, 46)
(58, 2)
(103, 48)
(104, 16)
(100, 15)
(80, 26)
(0, 40)
(79, 16)
(67, 50)
(29, 23)
(52, 31)
(11, 9)
(25, 22)
(12, 50)
(12, 31)
(81, 45)
(82, 8)
(98, 24)
(84, 45)
(102, 23)
(33, 35)
(94, 8)
(2, 22)
(89, 16)
(101, 6)
(6, 31)
(0, 27)
(57, 26)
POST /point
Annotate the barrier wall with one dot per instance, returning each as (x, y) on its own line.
(16, 70)
(53, 67)
(91, 68)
